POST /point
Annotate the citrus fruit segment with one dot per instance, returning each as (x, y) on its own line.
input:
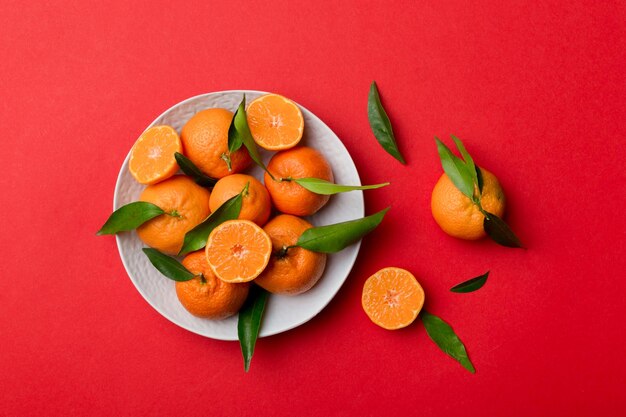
(152, 155)
(392, 298)
(186, 205)
(290, 271)
(255, 205)
(207, 296)
(455, 213)
(288, 196)
(276, 123)
(205, 143)
(238, 250)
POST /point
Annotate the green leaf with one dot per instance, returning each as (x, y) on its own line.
(380, 124)
(167, 265)
(456, 170)
(196, 238)
(241, 134)
(190, 169)
(479, 177)
(471, 284)
(469, 161)
(319, 186)
(336, 237)
(235, 140)
(129, 217)
(249, 323)
(499, 231)
(444, 337)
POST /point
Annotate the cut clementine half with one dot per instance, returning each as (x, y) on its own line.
(276, 123)
(152, 156)
(392, 298)
(238, 250)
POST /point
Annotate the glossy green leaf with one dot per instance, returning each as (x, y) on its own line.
(167, 265)
(380, 124)
(456, 170)
(235, 139)
(319, 186)
(249, 323)
(190, 169)
(130, 217)
(196, 238)
(336, 237)
(444, 337)
(479, 178)
(469, 161)
(500, 232)
(471, 284)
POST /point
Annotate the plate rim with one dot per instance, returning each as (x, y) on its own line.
(356, 245)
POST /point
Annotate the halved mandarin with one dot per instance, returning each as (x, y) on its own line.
(152, 156)
(276, 123)
(238, 251)
(392, 298)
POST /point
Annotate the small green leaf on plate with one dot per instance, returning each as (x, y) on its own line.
(196, 238)
(469, 161)
(190, 169)
(249, 323)
(471, 284)
(456, 170)
(235, 139)
(444, 337)
(500, 232)
(336, 237)
(319, 186)
(167, 265)
(129, 217)
(380, 124)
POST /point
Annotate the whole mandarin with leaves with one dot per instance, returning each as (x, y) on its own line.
(291, 270)
(457, 215)
(207, 296)
(288, 196)
(205, 143)
(255, 204)
(186, 205)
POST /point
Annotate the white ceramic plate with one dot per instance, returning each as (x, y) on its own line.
(282, 313)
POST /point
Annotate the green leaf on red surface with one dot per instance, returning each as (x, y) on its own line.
(336, 237)
(456, 169)
(381, 125)
(319, 186)
(249, 323)
(129, 217)
(499, 231)
(471, 284)
(446, 339)
(167, 265)
(190, 169)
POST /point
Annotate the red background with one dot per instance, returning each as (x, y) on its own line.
(537, 93)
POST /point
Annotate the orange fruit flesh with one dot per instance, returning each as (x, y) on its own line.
(275, 122)
(392, 298)
(152, 156)
(238, 250)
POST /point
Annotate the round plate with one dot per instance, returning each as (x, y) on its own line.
(282, 312)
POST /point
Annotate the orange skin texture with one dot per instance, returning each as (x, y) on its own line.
(210, 298)
(288, 196)
(152, 156)
(238, 250)
(300, 269)
(205, 140)
(392, 298)
(255, 206)
(165, 232)
(457, 215)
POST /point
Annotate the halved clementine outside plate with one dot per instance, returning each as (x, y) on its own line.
(282, 313)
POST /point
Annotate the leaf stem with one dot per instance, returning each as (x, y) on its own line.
(226, 157)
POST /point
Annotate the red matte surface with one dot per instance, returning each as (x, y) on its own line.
(536, 90)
